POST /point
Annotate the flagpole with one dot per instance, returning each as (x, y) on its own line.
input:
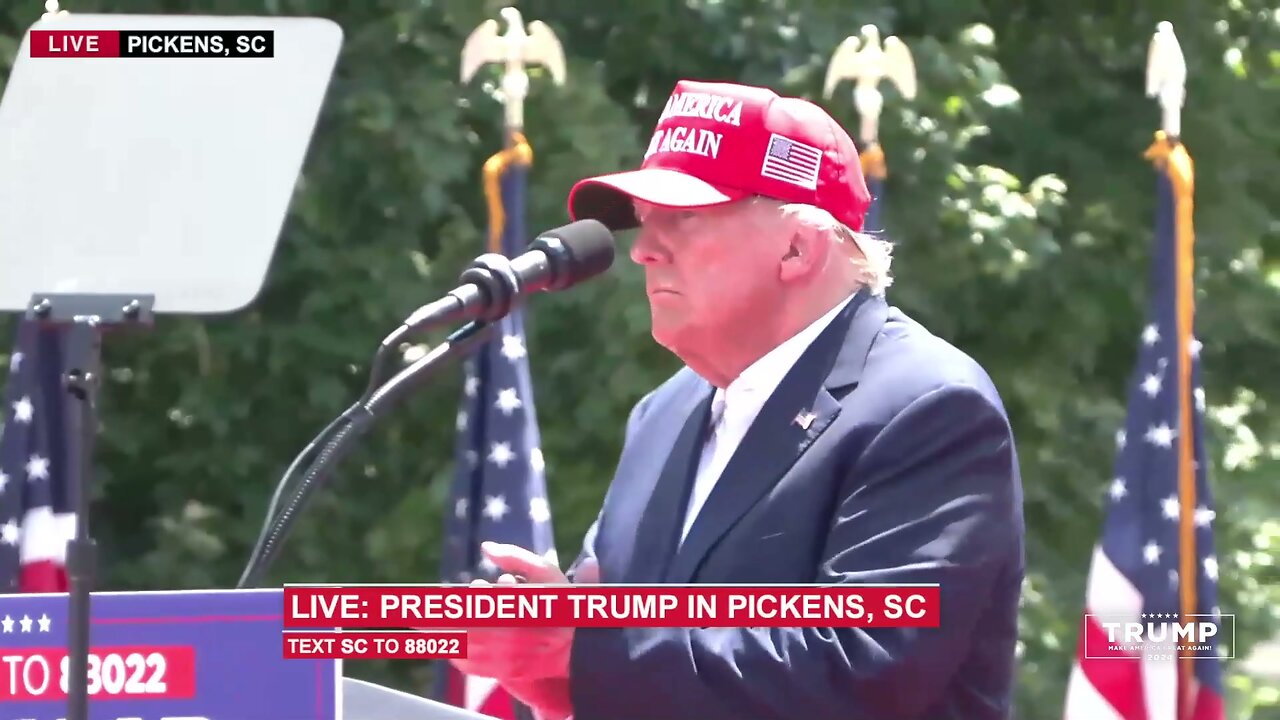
(1166, 82)
(868, 62)
(519, 47)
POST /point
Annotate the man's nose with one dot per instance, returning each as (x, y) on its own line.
(647, 248)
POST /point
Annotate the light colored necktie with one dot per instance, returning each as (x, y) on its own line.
(714, 424)
(717, 416)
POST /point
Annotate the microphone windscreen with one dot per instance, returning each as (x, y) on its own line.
(589, 246)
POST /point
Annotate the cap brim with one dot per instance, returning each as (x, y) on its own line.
(609, 198)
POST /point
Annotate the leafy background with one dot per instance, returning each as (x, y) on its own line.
(1018, 195)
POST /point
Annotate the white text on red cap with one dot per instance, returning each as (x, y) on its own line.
(699, 141)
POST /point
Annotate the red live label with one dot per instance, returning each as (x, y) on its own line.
(75, 43)
(150, 672)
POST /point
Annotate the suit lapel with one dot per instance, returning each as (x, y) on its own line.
(797, 412)
(663, 516)
(867, 323)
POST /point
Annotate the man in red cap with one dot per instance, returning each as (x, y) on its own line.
(816, 435)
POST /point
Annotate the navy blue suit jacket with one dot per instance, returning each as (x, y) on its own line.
(908, 474)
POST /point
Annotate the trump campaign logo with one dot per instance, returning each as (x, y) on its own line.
(1161, 636)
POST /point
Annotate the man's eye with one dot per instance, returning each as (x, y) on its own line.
(670, 219)
(684, 218)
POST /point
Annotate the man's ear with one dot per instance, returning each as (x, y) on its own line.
(805, 254)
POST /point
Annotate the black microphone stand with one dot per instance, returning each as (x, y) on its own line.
(86, 318)
(361, 417)
(490, 290)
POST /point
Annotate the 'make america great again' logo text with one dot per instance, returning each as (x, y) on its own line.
(1161, 636)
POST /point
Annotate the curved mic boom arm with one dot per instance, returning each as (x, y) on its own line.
(361, 417)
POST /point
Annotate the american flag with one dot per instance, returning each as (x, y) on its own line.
(792, 162)
(36, 518)
(499, 491)
(1137, 573)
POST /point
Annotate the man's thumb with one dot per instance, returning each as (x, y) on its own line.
(518, 561)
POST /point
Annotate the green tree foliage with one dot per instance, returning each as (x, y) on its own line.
(1017, 192)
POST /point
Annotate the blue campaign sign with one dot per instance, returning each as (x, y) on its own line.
(184, 655)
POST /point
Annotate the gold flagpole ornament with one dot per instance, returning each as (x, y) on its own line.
(51, 10)
(517, 49)
(865, 61)
(1167, 78)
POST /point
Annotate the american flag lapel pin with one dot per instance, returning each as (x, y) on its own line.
(805, 419)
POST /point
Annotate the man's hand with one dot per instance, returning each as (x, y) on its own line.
(515, 560)
(531, 663)
(518, 654)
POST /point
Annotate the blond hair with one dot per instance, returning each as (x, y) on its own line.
(876, 257)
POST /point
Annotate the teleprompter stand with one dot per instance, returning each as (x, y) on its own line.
(85, 319)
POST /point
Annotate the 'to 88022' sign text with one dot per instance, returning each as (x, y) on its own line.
(117, 674)
(153, 672)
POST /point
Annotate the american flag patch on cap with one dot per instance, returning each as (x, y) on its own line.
(792, 162)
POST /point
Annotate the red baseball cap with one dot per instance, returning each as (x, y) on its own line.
(719, 142)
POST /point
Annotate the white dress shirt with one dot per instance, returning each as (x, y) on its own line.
(733, 409)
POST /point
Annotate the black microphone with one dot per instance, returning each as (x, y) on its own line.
(558, 259)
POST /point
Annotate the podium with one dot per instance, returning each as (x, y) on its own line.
(367, 701)
(184, 655)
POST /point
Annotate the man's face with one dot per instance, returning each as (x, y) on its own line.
(709, 274)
